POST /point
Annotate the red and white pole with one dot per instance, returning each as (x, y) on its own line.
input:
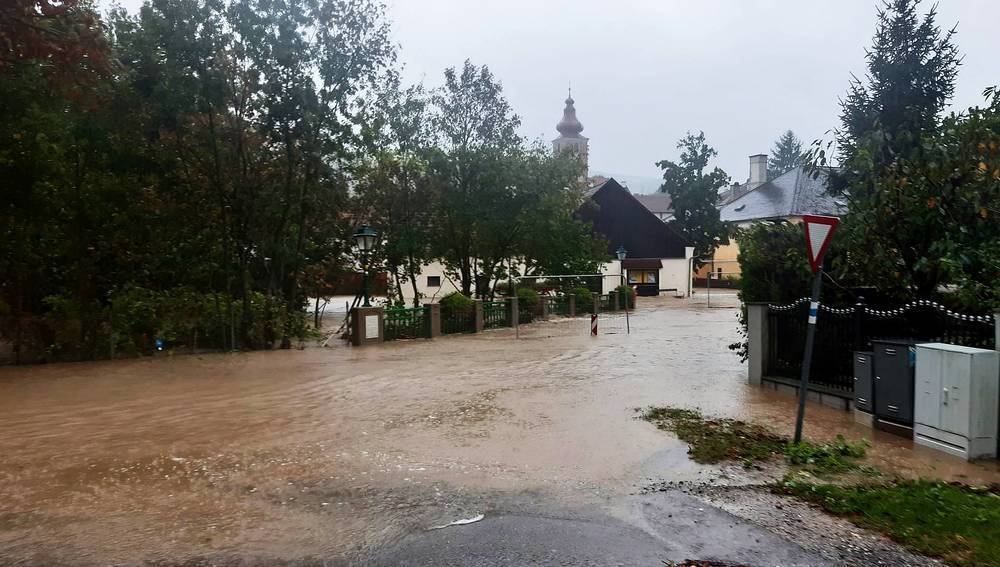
(593, 325)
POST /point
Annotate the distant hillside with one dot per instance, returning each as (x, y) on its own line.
(635, 183)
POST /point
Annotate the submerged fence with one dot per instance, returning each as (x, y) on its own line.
(407, 323)
(430, 321)
(843, 330)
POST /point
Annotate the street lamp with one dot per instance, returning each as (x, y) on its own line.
(621, 253)
(364, 239)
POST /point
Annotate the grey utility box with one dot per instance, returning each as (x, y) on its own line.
(957, 399)
(863, 382)
(893, 386)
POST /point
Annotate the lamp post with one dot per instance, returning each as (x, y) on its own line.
(364, 239)
(621, 253)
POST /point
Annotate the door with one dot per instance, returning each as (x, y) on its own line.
(863, 381)
(955, 403)
(893, 382)
(928, 383)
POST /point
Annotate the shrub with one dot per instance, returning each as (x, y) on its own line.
(527, 298)
(456, 303)
(584, 299)
(627, 293)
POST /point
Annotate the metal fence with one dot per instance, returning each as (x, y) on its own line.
(840, 331)
(558, 305)
(526, 313)
(454, 322)
(407, 323)
(496, 314)
(607, 303)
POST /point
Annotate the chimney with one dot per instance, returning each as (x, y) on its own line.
(758, 169)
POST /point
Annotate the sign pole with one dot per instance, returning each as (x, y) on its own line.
(807, 356)
(819, 231)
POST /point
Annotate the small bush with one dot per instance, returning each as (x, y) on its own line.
(627, 293)
(456, 303)
(835, 457)
(583, 298)
(527, 298)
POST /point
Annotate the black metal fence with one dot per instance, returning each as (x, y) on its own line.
(839, 331)
(458, 321)
(496, 314)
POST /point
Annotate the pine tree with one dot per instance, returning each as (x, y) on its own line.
(786, 155)
(886, 122)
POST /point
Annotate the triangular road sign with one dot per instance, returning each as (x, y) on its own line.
(819, 231)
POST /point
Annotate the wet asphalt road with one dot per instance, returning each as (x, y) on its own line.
(664, 526)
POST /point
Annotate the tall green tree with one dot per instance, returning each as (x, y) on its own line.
(886, 121)
(786, 155)
(476, 140)
(694, 193)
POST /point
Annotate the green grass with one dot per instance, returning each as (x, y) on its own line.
(717, 440)
(956, 523)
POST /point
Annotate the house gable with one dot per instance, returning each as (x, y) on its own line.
(624, 221)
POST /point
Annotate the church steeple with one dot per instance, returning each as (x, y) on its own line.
(569, 128)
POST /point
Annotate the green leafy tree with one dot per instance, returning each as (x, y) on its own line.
(786, 155)
(694, 193)
(476, 132)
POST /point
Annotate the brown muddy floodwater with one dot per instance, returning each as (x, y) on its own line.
(291, 456)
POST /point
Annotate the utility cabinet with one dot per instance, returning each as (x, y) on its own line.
(863, 381)
(957, 399)
(893, 386)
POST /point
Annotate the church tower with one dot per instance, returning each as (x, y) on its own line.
(569, 139)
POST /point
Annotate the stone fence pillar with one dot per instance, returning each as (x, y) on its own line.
(367, 325)
(434, 314)
(543, 308)
(572, 305)
(478, 309)
(596, 298)
(757, 337)
(615, 297)
(512, 311)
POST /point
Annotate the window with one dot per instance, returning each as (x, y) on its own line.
(642, 276)
(433, 281)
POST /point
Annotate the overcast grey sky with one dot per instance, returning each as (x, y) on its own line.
(646, 71)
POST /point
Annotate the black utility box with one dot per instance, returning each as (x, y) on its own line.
(894, 362)
(863, 374)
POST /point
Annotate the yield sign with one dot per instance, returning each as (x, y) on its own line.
(819, 231)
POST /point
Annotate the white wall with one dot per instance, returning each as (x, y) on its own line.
(430, 294)
(675, 273)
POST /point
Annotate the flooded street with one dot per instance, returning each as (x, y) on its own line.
(332, 454)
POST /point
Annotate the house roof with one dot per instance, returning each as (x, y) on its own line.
(624, 221)
(656, 202)
(794, 193)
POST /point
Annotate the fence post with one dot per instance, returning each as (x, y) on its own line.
(434, 320)
(544, 308)
(512, 311)
(367, 325)
(859, 322)
(757, 339)
(615, 301)
(572, 305)
(596, 298)
(478, 310)
(996, 330)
